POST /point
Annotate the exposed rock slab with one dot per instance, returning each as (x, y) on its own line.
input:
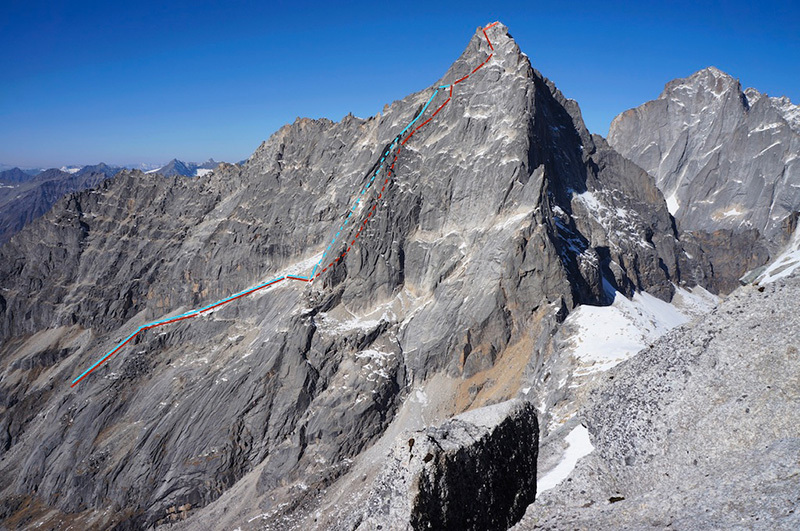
(475, 471)
(698, 432)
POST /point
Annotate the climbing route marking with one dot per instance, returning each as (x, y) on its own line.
(395, 145)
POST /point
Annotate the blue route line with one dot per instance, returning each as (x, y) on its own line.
(372, 179)
(192, 313)
(184, 315)
(310, 278)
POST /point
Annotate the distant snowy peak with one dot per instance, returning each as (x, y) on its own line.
(186, 169)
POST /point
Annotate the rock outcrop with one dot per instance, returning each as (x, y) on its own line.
(475, 471)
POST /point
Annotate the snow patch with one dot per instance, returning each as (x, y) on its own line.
(768, 148)
(672, 203)
(202, 172)
(786, 263)
(579, 446)
(734, 211)
(607, 335)
(764, 128)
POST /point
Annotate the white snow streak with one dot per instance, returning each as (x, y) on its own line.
(579, 446)
(785, 264)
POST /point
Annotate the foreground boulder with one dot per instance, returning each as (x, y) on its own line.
(475, 471)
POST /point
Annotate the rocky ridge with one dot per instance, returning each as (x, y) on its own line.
(698, 431)
(24, 198)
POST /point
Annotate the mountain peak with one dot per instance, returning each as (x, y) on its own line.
(710, 79)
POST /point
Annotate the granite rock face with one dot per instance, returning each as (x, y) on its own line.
(475, 471)
(24, 198)
(700, 431)
(502, 215)
(725, 159)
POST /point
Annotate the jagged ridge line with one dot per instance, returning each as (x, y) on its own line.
(436, 91)
(311, 277)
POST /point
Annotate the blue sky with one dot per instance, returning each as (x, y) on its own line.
(129, 82)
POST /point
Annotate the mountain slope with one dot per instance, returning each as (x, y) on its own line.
(187, 169)
(499, 217)
(724, 159)
(698, 431)
(14, 176)
(30, 197)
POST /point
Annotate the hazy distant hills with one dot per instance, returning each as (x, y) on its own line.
(14, 175)
(26, 194)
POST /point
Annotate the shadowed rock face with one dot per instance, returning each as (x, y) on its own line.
(475, 471)
(503, 215)
(724, 159)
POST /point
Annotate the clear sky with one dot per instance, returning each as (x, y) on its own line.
(129, 82)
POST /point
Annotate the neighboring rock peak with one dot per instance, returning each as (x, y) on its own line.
(723, 158)
(494, 40)
(709, 81)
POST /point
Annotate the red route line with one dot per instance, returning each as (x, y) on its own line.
(389, 173)
(119, 347)
(292, 277)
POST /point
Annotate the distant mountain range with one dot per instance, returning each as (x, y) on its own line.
(26, 194)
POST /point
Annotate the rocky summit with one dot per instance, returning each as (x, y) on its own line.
(725, 159)
(420, 360)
